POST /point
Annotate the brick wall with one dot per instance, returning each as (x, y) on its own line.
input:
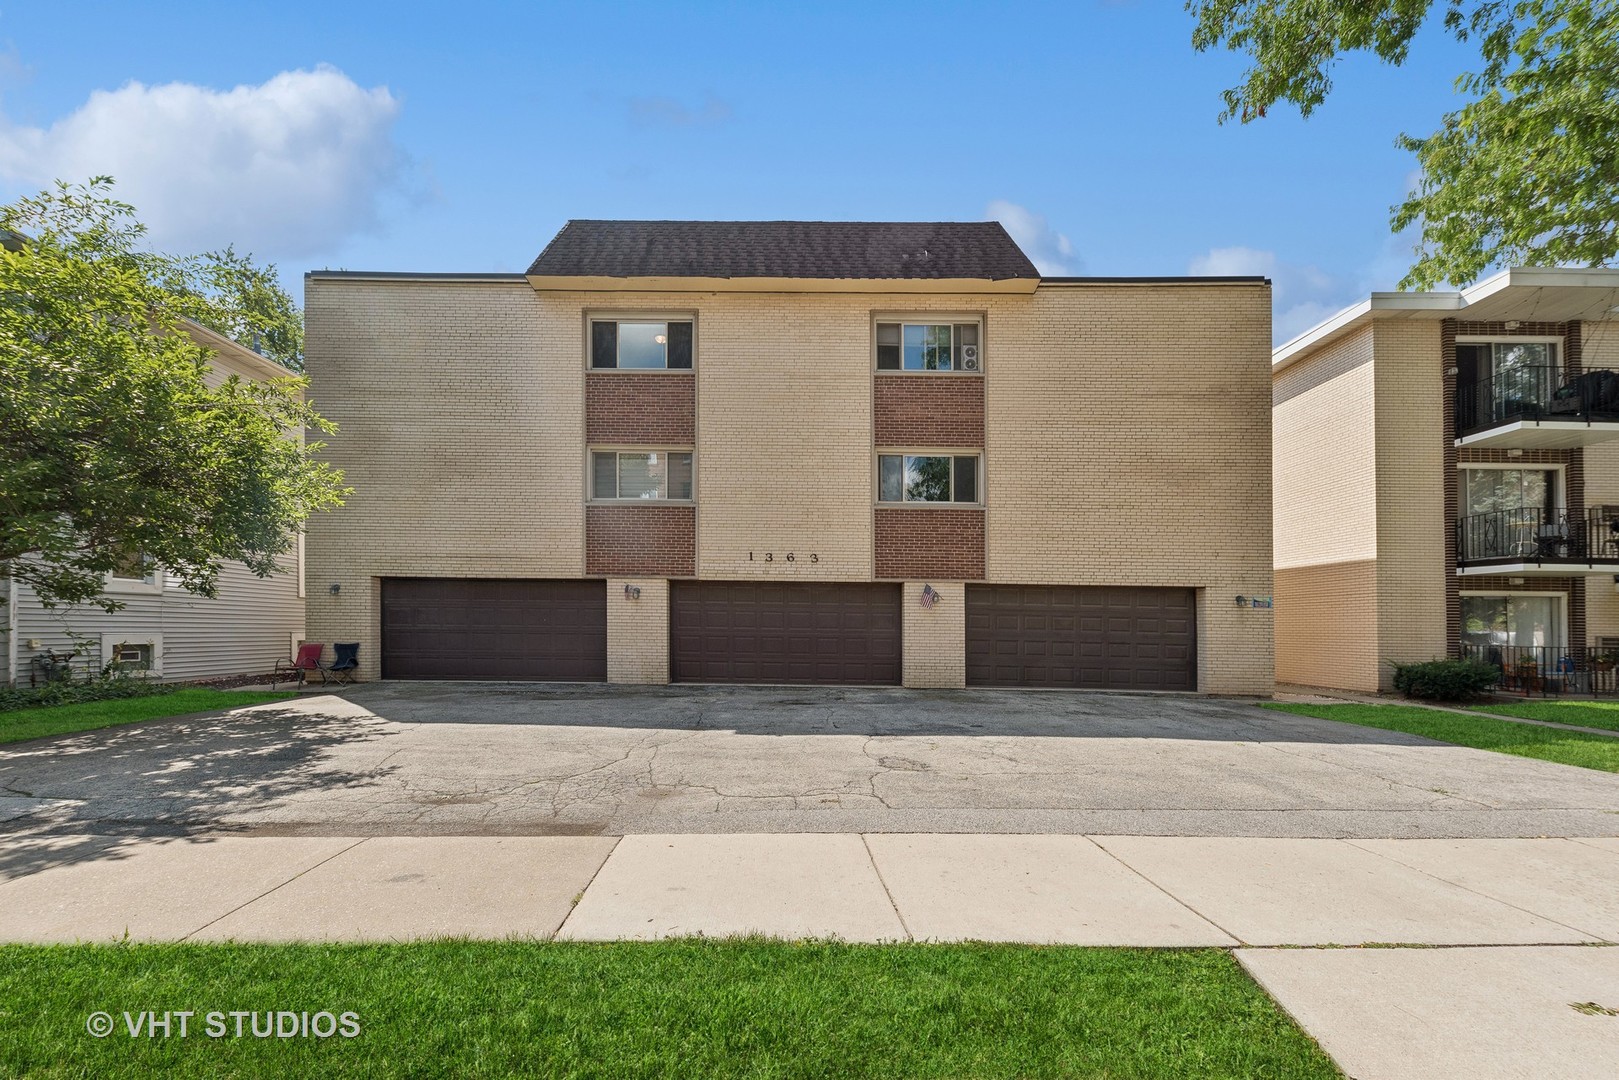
(460, 419)
(1599, 344)
(1126, 439)
(658, 540)
(930, 541)
(1127, 442)
(638, 631)
(935, 638)
(928, 411)
(639, 408)
(1413, 475)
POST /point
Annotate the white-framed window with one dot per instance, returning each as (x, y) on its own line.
(134, 573)
(640, 475)
(641, 343)
(929, 343)
(143, 652)
(928, 478)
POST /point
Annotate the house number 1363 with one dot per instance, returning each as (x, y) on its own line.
(770, 556)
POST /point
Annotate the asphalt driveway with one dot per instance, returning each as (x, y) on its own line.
(437, 758)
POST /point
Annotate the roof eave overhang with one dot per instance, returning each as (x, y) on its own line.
(581, 283)
(1576, 289)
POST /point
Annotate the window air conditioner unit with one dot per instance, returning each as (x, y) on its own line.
(969, 358)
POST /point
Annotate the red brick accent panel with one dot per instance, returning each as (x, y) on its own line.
(659, 540)
(627, 408)
(914, 543)
(929, 411)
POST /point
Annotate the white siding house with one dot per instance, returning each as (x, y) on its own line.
(179, 635)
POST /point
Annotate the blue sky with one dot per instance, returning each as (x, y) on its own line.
(461, 137)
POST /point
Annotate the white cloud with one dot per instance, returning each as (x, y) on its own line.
(287, 169)
(1051, 252)
(667, 112)
(1301, 295)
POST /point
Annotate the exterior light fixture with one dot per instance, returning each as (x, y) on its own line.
(1453, 371)
(632, 592)
(335, 589)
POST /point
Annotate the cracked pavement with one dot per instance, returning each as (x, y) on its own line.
(399, 759)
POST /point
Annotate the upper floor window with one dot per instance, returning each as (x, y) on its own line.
(927, 478)
(928, 346)
(640, 474)
(640, 344)
(133, 566)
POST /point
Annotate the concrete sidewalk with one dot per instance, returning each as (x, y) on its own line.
(1105, 890)
(1527, 986)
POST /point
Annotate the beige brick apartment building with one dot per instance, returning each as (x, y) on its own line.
(1447, 483)
(792, 452)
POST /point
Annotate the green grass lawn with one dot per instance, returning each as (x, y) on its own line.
(738, 1008)
(1483, 732)
(1597, 714)
(85, 716)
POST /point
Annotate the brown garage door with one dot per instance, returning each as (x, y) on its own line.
(1096, 638)
(800, 632)
(450, 628)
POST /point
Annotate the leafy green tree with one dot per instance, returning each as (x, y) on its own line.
(111, 441)
(1527, 172)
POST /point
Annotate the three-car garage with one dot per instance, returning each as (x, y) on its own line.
(841, 633)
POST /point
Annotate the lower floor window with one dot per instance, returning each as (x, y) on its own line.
(1513, 620)
(129, 655)
(640, 474)
(927, 478)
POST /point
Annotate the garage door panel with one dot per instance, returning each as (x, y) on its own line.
(521, 630)
(1104, 638)
(788, 633)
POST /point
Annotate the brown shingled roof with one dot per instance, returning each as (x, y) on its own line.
(786, 249)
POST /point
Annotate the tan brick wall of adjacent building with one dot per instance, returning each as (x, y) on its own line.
(1130, 445)
(935, 639)
(1326, 517)
(638, 631)
(461, 429)
(1411, 483)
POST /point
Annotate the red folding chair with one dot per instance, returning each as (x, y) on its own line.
(299, 667)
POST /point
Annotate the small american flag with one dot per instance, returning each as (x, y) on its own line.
(929, 596)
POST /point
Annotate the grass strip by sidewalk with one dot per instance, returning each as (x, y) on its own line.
(1592, 714)
(1481, 732)
(88, 715)
(692, 1008)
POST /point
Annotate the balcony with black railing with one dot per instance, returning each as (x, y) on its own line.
(1545, 670)
(1535, 406)
(1539, 540)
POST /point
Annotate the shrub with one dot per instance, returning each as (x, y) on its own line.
(105, 687)
(1445, 680)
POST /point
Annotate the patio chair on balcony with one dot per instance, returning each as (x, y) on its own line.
(298, 668)
(345, 661)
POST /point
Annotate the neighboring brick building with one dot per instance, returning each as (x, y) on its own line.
(1447, 482)
(796, 452)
